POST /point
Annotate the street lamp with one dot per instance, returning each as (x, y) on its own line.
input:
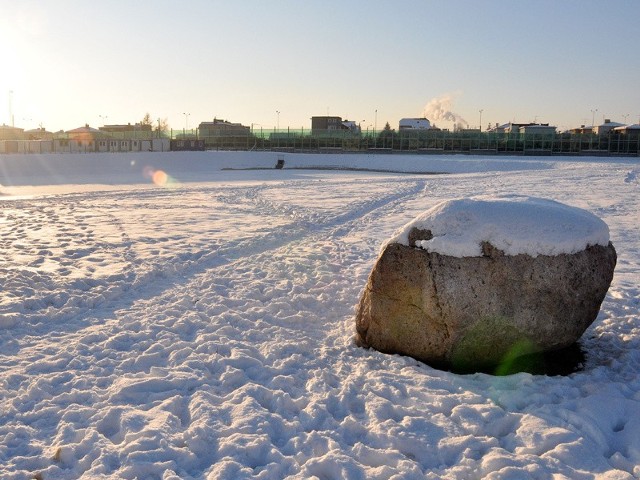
(186, 121)
(481, 110)
(104, 119)
(625, 118)
(278, 119)
(593, 118)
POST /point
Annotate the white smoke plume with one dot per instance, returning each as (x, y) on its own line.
(439, 108)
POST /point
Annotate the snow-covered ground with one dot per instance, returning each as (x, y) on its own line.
(202, 326)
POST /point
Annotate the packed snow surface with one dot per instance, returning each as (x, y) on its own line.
(515, 224)
(163, 318)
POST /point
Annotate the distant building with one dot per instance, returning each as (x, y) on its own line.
(353, 127)
(323, 125)
(216, 134)
(581, 130)
(414, 124)
(11, 133)
(187, 145)
(497, 128)
(84, 138)
(114, 145)
(38, 134)
(628, 130)
(537, 129)
(87, 139)
(329, 125)
(137, 130)
(606, 127)
(523, 128)
(222, 128)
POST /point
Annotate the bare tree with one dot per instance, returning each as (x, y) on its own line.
(146, 120)
(163, 125)
(160, 125)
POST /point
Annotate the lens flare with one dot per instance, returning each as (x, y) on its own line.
(159, 177)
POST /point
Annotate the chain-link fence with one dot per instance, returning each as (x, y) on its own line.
(428, 141)
(304, 140)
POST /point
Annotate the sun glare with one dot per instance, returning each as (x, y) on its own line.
(19, 29)
(11, 78)
(11, 44)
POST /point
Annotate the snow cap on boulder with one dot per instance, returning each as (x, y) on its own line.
(514, 224)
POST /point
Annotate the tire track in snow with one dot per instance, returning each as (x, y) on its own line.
(313, 387)
(153, 307)
(157, 283)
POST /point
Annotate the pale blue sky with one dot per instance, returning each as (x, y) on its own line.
(73, 62)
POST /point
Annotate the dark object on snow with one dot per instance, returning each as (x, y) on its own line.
(280, 164)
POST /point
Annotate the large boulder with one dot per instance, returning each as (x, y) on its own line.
(472, 282)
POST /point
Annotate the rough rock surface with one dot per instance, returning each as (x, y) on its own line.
(470, 313)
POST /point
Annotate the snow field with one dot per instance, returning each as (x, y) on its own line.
(205, 331)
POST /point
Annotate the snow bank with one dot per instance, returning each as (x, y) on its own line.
(514, 224)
